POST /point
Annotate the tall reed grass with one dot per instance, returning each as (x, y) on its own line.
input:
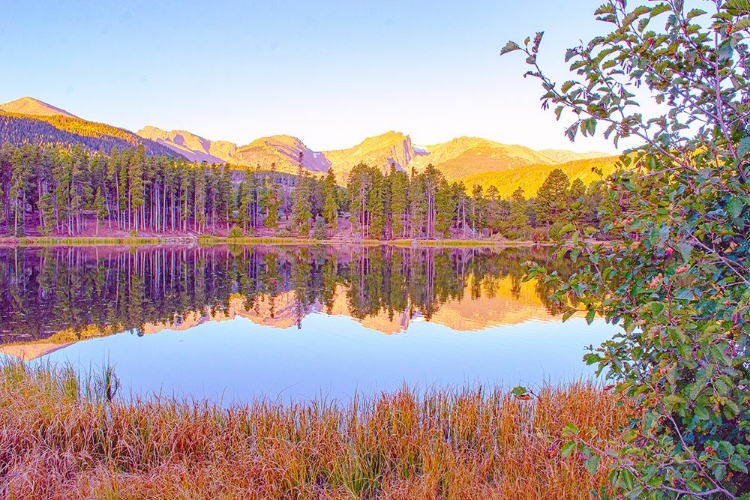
(65, 241)
(64, 436)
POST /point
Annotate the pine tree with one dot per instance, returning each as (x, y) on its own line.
(517, 221)
(320, 230)
(273, 203)
(136, 197)
(417, 205)
(330, 205)
(399, 183)
(444, 210)
(100, 208)
(478, 208)
(358, 188)
(551, 199)
(47, 211)
(301, 207)
(493, 209)
(376, 203)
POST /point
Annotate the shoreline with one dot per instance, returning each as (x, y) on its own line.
(34, 241)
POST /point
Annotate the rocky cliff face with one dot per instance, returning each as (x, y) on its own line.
(193, 147)
(380, 151)
(283, 151)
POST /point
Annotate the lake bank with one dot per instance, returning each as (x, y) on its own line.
(290, 241)
(67, 440)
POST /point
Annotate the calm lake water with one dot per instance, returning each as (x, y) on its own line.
(232, 324)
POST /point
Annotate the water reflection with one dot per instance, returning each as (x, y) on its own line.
(61, 295)
(232, 324)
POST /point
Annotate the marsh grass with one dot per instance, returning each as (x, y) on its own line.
(64, 241)
(62, 437)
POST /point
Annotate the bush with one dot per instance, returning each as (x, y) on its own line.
(320, 230)
(556, 232)
(676, 274)
(235, 232)
(539, 234)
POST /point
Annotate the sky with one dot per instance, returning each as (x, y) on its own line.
(329, 72)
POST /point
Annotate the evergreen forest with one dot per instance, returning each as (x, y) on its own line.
(75, 191)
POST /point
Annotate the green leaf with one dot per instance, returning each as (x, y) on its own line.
(659, 9)
(606, 8)
(571, 428)
(725, 51)
(640, 10)
(519, 390)
(743, 146)
(735, 206)
(700, 412)
(656, 308)
(567, 449)
(591, 358)
(685, 250)
(509, 47)
(590, 316)
(627, 479)
(592, 464)
(737, 464)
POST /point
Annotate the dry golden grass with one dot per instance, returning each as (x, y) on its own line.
(60, 438)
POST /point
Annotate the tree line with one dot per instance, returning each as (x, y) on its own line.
(48, 190)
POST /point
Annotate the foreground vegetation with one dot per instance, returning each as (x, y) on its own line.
(66, 437)
(676, 274)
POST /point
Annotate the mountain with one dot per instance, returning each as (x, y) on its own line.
(191, 146)
(468, 159)
(53, 126)
(31, 106)
(379, 151)
(454, 156)
(283, 152)
(564, 156)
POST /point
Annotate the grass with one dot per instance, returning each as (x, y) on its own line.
(42, 241)
(218, 240)
(461, 243)
(64, 436)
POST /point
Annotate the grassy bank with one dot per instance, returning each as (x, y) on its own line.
(218, 240)
(48, 241)
(61, 439)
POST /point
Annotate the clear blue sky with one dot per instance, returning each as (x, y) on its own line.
(329, 72)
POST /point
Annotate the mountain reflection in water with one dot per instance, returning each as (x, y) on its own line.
(60, 295)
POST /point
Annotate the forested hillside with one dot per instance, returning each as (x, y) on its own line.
(66, 132)
(530, 177)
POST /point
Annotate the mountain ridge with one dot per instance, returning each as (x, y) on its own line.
(459, 158)
(35, 107)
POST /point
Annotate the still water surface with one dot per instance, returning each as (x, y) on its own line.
(232, 324)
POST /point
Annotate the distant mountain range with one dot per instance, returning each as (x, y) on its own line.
(471, 159)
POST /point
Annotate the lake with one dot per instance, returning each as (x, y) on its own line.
(289, 323)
